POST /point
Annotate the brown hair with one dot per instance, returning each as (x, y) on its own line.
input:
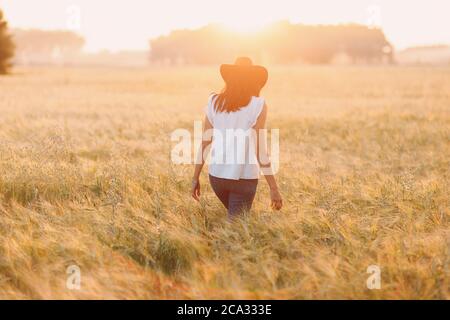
(236, 94)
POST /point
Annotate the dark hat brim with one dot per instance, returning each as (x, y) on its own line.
(232, 72)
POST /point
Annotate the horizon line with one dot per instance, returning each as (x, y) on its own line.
(146, 48)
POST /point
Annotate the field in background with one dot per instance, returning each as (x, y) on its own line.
(86, 179)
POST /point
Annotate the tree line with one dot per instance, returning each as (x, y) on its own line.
(46, 41)
(46, 46)
(281, 42)
(39, 46)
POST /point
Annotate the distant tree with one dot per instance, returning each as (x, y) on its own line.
(6, 46)
(45, 42)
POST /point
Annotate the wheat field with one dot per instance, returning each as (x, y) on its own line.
(86, 180)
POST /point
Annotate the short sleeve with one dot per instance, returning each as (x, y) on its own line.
(209, 110)
(257, 109)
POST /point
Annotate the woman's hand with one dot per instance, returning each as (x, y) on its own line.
(195, 190)
(276, 200)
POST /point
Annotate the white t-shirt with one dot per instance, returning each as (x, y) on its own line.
(233, 151)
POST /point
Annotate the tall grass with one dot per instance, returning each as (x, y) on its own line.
(86, 179)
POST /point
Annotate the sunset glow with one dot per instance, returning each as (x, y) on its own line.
(119, 25)
(245, 26)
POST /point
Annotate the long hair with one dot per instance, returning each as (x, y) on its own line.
(236, 94)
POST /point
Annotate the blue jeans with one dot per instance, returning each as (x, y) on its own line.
(236, 195)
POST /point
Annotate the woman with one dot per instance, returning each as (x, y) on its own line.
(237, 114)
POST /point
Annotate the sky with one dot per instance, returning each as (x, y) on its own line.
(129, 24)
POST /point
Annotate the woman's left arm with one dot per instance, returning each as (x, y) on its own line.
(206, 141)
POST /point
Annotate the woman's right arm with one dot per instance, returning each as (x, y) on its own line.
(262, 155)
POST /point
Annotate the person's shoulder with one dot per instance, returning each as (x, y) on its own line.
(210, 110)
(212, 96)
(259, 99)
(260, 102)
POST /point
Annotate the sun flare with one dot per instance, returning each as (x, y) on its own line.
(245, 25)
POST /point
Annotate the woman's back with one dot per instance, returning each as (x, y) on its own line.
(233, 154)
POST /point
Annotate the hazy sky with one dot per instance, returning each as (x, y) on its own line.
(128, 24)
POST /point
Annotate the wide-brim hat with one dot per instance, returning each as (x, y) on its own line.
(243, 68)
